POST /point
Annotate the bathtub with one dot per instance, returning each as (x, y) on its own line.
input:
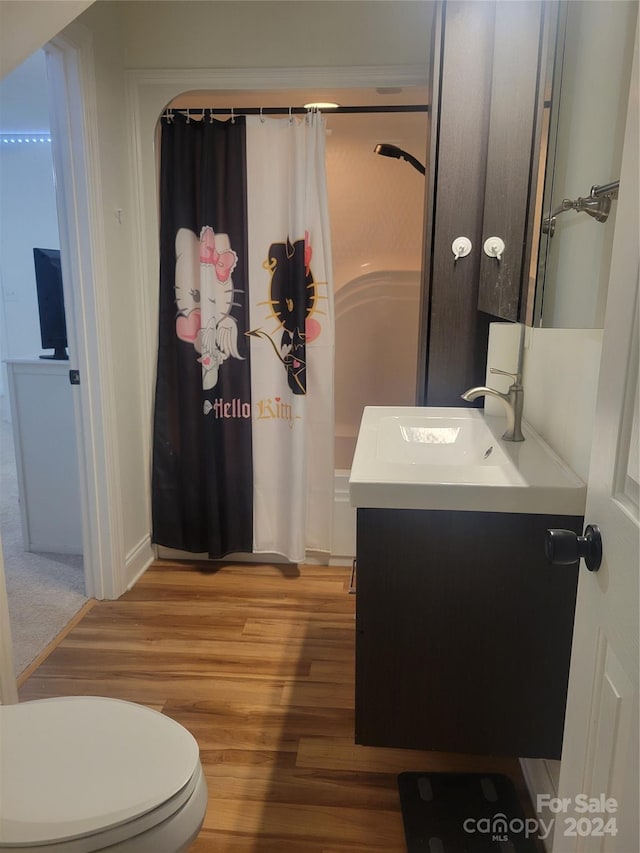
(376, 341)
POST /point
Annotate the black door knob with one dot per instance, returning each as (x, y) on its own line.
(565, 548)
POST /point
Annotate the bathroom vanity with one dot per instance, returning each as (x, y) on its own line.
(463, 637)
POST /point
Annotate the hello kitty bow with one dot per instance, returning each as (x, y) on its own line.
(224, 262)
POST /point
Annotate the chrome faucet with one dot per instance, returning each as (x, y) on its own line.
(513, 401)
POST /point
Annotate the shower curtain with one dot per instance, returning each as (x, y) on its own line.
(243, 423)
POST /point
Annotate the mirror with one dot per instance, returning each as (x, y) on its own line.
(591, 77)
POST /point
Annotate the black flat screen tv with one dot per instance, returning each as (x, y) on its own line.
(53, 326)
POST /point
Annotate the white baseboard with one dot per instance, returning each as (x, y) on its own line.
(541, 777)
(138, 561)
(341, 561)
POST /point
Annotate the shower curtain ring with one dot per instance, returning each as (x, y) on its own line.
(290, 116)
(261, 116)
(188, 116)
(210, 115)
(233, 116)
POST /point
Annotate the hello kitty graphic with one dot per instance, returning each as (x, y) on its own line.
(204, 294)
(293, 298)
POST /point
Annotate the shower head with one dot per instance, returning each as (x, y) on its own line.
(387, 150)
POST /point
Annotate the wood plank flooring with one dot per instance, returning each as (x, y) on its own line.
(257, 661)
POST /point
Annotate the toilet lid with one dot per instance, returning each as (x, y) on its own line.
(78, 765)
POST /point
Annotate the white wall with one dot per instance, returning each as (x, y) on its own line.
(275, 34)
(28, 216)
(560, 369)
(139, 35)
(593, 108)
(103, 21)
(27, 219)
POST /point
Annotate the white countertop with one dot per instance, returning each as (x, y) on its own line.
(455, 459)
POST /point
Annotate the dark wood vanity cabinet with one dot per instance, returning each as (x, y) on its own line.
(464, 632)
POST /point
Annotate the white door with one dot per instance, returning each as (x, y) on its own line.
(598, 791)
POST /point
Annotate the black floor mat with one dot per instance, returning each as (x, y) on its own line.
(464, 813)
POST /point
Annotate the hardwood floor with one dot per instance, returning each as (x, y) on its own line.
(257, 661)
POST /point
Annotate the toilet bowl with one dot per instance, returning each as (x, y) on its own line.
(82, 773)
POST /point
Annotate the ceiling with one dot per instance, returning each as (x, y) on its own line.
(362, 96)
(24, 106)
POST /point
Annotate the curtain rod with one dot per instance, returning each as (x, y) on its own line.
(231, 111)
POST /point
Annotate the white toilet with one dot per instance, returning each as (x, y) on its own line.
(81, 773)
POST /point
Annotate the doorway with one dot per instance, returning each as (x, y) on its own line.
(40, 513)
(376, 208)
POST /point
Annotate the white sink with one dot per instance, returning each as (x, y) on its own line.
(455, 458)
(438, 440)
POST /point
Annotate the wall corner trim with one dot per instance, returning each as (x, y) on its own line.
(76, 152)
(138, 560)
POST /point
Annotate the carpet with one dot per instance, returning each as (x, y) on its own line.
(45, 590)
(464, 813)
